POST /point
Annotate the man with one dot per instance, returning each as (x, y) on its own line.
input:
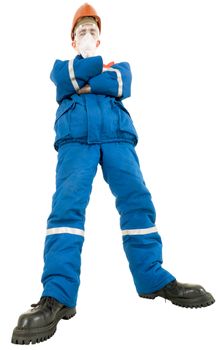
(93, 127)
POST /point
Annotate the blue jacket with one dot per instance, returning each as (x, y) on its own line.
(96, 117)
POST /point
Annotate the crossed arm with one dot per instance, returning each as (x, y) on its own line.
(88, 75)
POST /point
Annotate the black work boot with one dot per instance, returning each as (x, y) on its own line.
(39, 324)
(185, 295)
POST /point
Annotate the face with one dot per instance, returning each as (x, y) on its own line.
(86, 29)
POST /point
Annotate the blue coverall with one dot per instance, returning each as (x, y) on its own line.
(94, 129)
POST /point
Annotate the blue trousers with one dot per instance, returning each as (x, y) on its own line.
(76, 169)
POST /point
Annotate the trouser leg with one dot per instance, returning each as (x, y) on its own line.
(141, 241)
(76, 168)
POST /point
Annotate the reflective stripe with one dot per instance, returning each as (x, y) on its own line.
(72, 75)
(57, 230)
(119, 80)
(140, 231)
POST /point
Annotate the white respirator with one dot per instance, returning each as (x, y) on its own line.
(87, 45)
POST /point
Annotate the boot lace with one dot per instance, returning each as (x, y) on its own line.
(49, 300)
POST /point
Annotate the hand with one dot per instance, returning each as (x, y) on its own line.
(86, 89)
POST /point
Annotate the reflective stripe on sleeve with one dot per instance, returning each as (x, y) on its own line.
(57, 230)
(72, 75)
(140, 231)
(119, 80)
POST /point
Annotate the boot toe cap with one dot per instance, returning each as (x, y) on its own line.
(190, 290)
(30, 320)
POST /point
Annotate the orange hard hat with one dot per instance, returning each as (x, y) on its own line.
(85, 10)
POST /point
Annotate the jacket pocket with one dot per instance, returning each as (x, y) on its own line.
(62, 121)
(121, 106)
(64, 107)
(125, 121)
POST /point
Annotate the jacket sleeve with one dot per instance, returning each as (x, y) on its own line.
(71, 75)
(114, 81)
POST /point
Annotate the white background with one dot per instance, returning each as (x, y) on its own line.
(174, 51)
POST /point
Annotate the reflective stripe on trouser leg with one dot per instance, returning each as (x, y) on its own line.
(76, 168)
(141, 241)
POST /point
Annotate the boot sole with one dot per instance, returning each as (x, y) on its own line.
(203, 301)
(37, 335)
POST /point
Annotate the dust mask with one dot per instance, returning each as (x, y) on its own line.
(87, 45)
